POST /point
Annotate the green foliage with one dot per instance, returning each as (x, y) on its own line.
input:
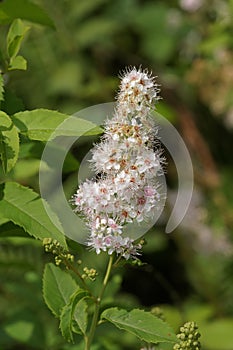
(24, 9)
(1, 87)
(152, 19)
(9, 142)
(21, 302)
(68, 315)
(74, 67)
(143, 324)
(17, 62)
(81, 316)
(9, 229)
(43, 124)
(15, 36)
(25, 208)
(11, 103)
(58, 286)
(66, 300)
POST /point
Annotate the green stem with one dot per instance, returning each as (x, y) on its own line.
(95, 318)
(72, 268)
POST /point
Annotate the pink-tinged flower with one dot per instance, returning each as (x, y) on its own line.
(129, 163)
(97, 243)
(149, 191)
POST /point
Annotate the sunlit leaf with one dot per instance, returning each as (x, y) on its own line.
(142, 324)
(43, 124)
(17, 62)
(25, 208)
(15, 36)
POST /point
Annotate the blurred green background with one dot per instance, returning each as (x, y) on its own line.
(188, 44)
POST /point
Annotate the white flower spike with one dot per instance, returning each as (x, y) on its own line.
(129, 163)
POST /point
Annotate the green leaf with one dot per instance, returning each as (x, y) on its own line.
(67, 314)
(32, 166)
(58, 286)
(143, 324)
(20, 330)
(1, 87)
(43, 124)
(24, 326)
(24, 9)
(11, 104)
(9, 142)
(9, 229)
(17, 62)
(81, 316)
(25, 208)
(15, 36)
(34, 150)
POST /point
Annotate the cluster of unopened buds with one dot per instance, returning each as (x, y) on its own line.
(127, 163)
(189, 337)
(89, 274)
(54, 247)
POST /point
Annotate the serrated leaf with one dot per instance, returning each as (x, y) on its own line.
(43, 124)
(1, 87)
(67, 314)
(25, 208)
(9, 142)
(142, 324)
(24, 9)
(81, 316)
(9, 229)
(15, 36)
(17, 62)
(58, 286)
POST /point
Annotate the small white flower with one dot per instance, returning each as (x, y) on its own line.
(127, 191)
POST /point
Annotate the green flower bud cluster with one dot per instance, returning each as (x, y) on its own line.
(188, 337)
(54, 247)
(89, 273)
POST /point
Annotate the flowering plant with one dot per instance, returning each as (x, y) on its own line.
(125, 191)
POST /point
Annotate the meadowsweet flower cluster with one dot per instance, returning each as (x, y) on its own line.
(128, 163)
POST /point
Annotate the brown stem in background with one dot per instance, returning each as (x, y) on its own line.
(206, 173)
